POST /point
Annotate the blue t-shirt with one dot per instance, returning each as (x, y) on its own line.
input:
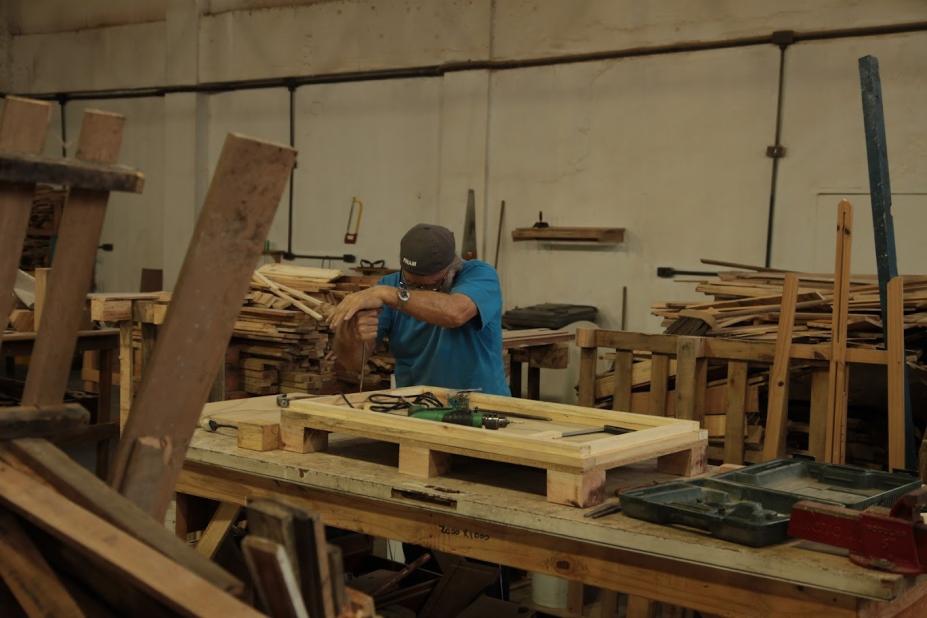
(466, 357)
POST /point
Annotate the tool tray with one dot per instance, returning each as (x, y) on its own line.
(752, 506)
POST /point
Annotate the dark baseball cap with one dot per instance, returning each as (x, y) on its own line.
(426, 249)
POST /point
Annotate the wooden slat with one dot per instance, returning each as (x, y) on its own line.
(74, 173)
(243, 196)
(23, 125)
(621, 399)
(837, 372)
(659, 375)
(896, 374)
(36, 587)
(817, 429)
(735, 413)
(218, 528)
(103, 543)
(72, 267)
(620, 340)
(87, 491)
(777, 418)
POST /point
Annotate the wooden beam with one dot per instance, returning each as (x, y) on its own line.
(101, 542)
(23, 126)
(609, 235)
(87, 491)
(36, 587)
(837, 369)
(659, 374)
(218, 529)
(74, 173)
(72, 268)
(777, 412)
(35, 421)
(126, 372)
(243, 196)
(817, 426)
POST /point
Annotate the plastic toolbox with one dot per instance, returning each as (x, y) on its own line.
(752, 506)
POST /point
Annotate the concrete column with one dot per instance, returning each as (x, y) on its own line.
(186, 165)
(463, 152)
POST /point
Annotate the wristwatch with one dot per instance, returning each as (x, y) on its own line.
(403, 293)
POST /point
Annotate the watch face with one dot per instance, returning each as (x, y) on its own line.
(403, 294)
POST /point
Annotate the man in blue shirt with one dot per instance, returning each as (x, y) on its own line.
(441, 315)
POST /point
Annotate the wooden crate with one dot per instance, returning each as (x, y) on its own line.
(576, 466)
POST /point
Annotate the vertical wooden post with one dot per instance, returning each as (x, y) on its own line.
(659, 374)
(126, 372)
(897, 385)
(817, 429)
(734, 415)
(837, 371)
(585, 339)
(777, 418)
(41, 291)
(621, 398)
(691, 378)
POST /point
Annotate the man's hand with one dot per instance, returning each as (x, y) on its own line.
(366, 323)
(369, 299)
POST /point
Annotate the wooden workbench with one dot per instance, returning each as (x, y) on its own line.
(355, 485)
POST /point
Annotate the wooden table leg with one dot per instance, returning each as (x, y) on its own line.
(534, 383)
(105, 410)
(126, 372)
(515, 378)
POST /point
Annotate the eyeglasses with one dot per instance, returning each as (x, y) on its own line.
(426, 287)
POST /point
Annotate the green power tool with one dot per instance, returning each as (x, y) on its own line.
(458, 412)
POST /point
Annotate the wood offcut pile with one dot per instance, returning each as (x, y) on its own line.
(43, 226)
(746, 305)
(281, 342)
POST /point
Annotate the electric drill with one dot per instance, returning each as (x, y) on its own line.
(458, 412)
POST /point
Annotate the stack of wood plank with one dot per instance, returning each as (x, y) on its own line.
(43, 226)
(746, 305)
(282, 343)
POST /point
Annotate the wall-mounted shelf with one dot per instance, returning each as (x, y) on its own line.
(602, 235)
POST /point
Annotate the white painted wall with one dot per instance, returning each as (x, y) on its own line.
(671, 147)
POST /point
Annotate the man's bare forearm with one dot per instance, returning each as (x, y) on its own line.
(438, 308)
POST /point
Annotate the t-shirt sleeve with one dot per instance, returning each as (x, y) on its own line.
(481, 284)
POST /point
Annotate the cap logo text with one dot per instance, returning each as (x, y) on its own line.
(409, 262)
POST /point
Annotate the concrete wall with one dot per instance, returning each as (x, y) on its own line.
(670, 147)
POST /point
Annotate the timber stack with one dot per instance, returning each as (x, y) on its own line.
(281, 342)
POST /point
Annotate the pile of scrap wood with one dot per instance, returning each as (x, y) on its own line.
(43, 226)
(282, 343)
(746, 305)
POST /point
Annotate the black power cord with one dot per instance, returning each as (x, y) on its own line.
(385, 402)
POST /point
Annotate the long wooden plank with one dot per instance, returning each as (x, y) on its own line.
(735, 413)
(243, 196)
(23, 126)
(588, 234)
(72, 267)
(36, 587)
(78, 485)
(182, 590)
(896, 374)
(837, 369)
(688, 353)
(777, 417)
(126, 372)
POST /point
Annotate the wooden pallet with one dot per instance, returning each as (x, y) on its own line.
(576, 466)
